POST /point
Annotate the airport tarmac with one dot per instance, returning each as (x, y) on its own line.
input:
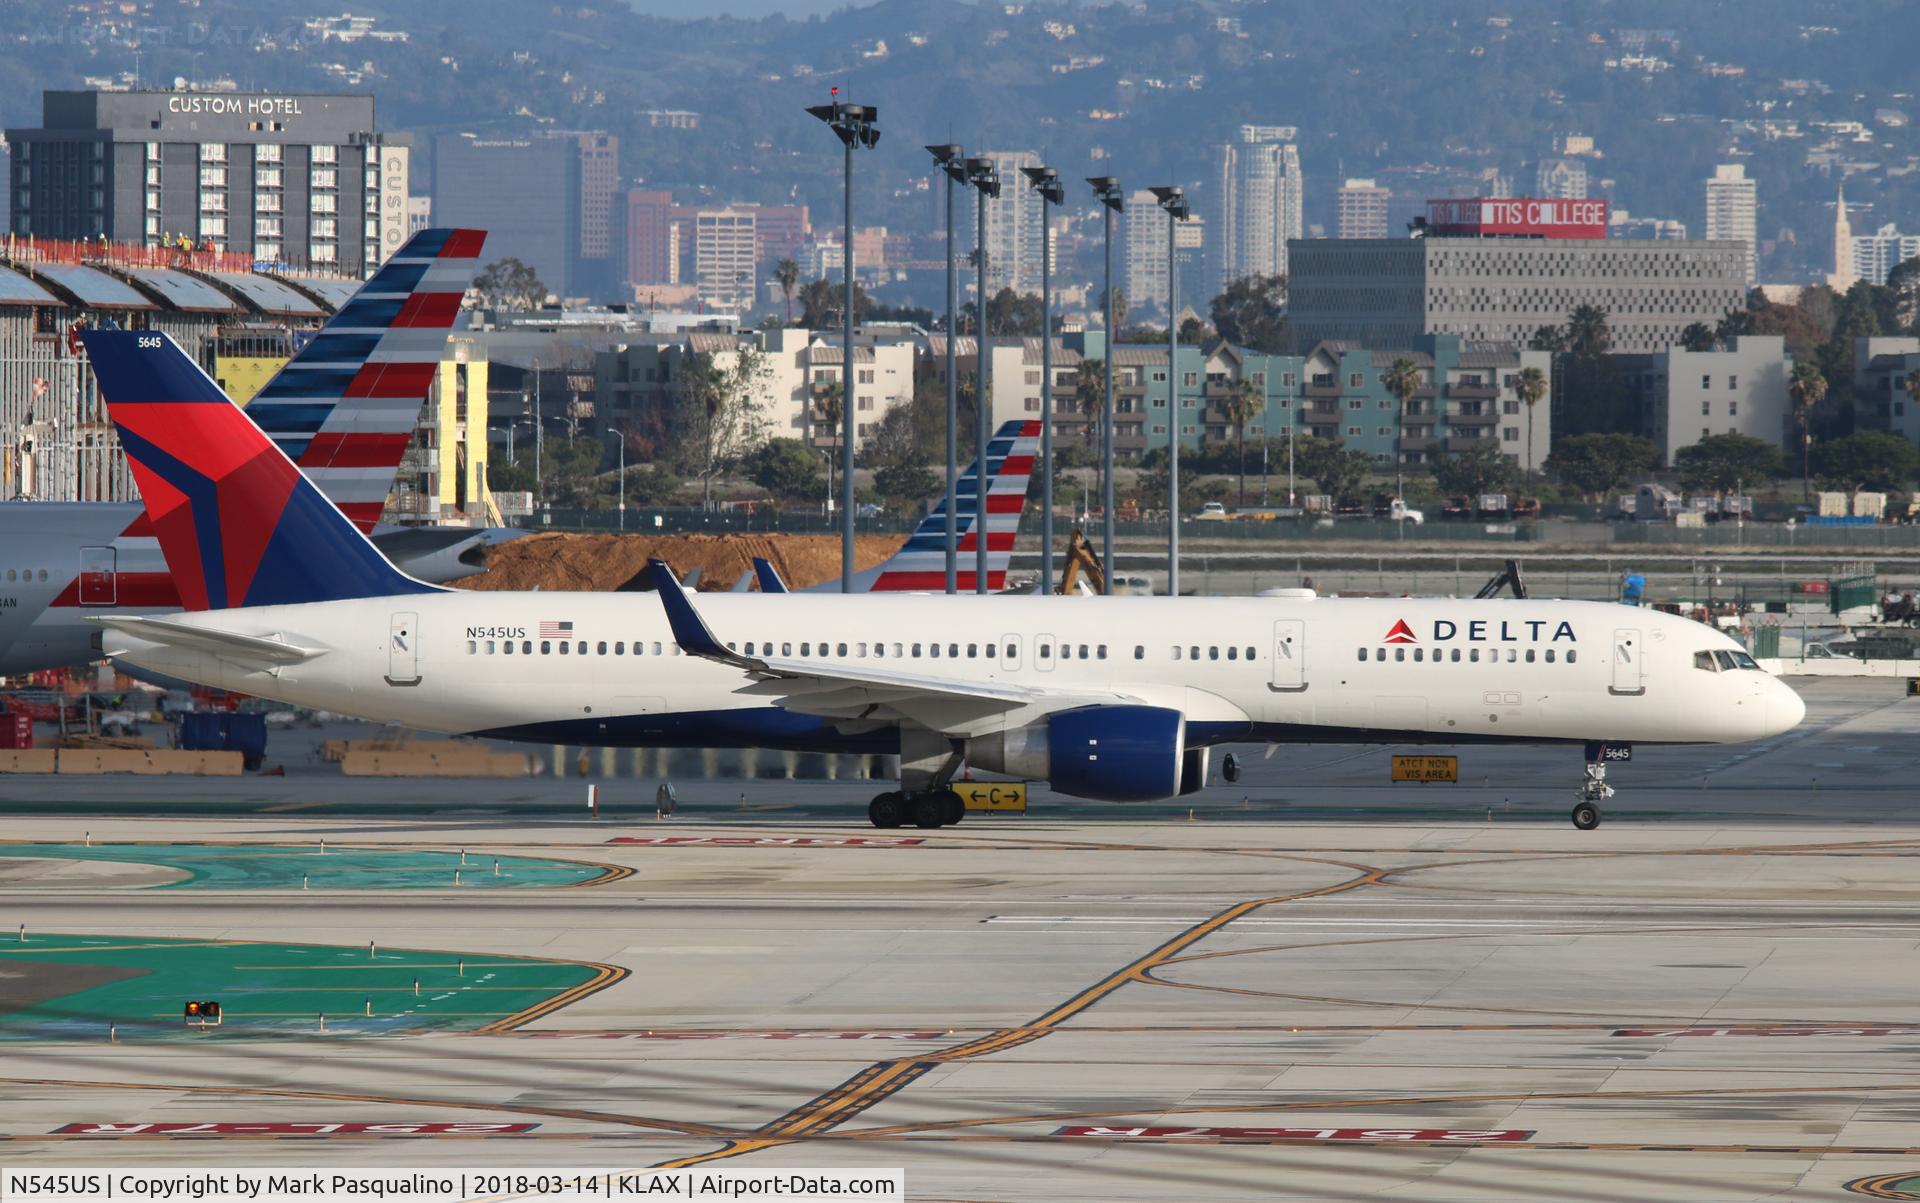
(1319, 986)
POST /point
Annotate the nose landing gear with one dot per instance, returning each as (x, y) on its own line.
(1594, 789)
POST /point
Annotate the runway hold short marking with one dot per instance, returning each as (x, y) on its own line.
(265, 1129)
(1892, 1030)
(1371, 1135)
(691, 1035)
(768, 841)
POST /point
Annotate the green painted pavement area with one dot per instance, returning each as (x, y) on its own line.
(281, 867)
(72, 987)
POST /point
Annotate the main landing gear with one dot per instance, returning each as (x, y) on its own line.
(928, 808)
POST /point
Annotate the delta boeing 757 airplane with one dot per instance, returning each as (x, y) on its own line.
(1117, 699)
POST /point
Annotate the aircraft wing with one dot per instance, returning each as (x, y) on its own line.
(858, 692)
(230, 645)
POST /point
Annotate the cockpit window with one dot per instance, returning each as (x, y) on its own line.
(1727, 663)
(1746, 661)
(1704, 661)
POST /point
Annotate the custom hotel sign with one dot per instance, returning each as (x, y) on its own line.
(1517, 217)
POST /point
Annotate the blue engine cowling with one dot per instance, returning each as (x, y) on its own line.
(1116, 753)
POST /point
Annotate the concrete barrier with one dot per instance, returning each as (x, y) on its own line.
(159, 762)
(441, 759)
(27, 760)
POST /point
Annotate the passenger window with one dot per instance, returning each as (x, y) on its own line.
(1363, 653)
(1250, 655)
(1083, 651)
(1419, 654)
(546, 647)
(860, 649)
(1549, 655)
(1529, 655)
(507, 647)
(1379, 653)
(1572, 655)
(1399, 655)
(1726, 660)
(1103, 651)
(1213, 653)
(896, 651)
(1233, 653)
(526, 647)
(1176, 651)
(1704, 662)
(656, 647)
(749, 647)
(916, 651)
(620, 649)
(843, 649)
(1139, 651)
(786, 649)
(991, 653)
(880, 651)
(973, 650)
(603, 647)
(582, 647)
(933, 650)
(1513, 655)
(1473, 655)
(953, 651)
(565, 647)
(473, 647)
(1193, 652)
(490, 647)
(1046, 651)
(1456, 656)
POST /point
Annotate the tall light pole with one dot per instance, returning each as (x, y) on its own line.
(952, 163)
(1046, 181)
(854, 125)
(620, 438)
(1174, 201)
(1106, 189)
(985, 178)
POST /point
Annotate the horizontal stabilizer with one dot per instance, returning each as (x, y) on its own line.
(230, 644)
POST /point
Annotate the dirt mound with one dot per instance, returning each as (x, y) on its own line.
(560, 562)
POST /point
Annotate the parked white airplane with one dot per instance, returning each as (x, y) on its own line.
(1105, 698)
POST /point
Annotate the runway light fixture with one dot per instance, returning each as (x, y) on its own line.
(854, 125)
(1046, 182)
(1106, 189)
(952, 160)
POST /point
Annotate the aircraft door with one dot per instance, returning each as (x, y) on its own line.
(403, 649)
(1010, 653)
(1628, 663)
(99, 583)
(1289, 656)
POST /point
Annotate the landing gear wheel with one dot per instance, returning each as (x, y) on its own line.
(929, 810)
(956, 806)
(886, 811)
(1586, 816)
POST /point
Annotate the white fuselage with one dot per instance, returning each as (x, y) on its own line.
(1310, 670)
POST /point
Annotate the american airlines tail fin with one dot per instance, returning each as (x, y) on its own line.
(238, 523)
(920, 566)
(344, 407)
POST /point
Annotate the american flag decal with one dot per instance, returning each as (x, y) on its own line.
(556, 630)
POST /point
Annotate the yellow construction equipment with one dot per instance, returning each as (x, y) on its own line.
(1081, 561)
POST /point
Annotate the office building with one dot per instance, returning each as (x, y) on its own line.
(298, 179)
(1146, 258)
(1732, 202)
(1363, 209)
(1013, 226)
(1878, 253)
(1254, 204)
(726, 255)
(1496, 270)
(597, 269)
(524, 191)
(1737, 389)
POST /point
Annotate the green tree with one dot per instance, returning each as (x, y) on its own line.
(1551, 339)
(1808, 387)
(1403, 381)
(905, 484)
(1598, 464)
(820, 304)
(1337, 471)
(1903, 287)
(1483, 469)
(1588, 336)
(1243, 405)
(510, 284)
(1119, 308)
(1697, 337)
(1090, 395)
(718, 419)
(1531, 385)
(1252, 312)
(1867, 459)
(786, 274)
(1723, 463)
(786, 468)
(829, 407)
(1009, 313)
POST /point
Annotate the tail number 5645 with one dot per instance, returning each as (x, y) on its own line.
(150, 342)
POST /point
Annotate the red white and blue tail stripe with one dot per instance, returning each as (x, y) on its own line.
(921, 565)
(345, 407)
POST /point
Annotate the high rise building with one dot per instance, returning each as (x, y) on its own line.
(294, 178)
(1845, 272)
(1876, 254)
(1562, 179)
(726, 257)
(599, 222)
(1731, 204)
(653, 251)
(525, 192)
(1363, 209)
(1013, 225)
(1146, 257)
(1256, 203)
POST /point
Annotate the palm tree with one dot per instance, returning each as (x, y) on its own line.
(1403, 381)
(829, 398)
(786, 274)
(1808, 388)
(1531, 384)
(1587, 333)
(1090, 395)
(1242, 406)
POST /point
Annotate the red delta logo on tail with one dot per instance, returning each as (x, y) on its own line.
(1401, 633)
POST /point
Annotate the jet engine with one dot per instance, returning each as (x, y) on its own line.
(1107, 753)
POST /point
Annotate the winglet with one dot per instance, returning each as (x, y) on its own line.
(768, 575)
(689, 630)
